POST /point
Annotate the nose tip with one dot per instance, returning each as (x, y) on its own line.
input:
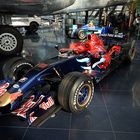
(5, 99)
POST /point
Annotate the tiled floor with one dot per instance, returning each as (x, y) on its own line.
(114, 113)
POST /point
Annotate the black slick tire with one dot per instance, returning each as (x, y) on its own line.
(16, 67)
(70, 89)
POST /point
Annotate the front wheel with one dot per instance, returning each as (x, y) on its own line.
(75, 92)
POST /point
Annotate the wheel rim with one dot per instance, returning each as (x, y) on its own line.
(81, 35)
(84, 95)
(8, 42)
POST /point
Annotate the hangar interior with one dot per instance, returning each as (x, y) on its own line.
(114, 112)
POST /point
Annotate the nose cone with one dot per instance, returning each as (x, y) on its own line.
(5, 100)
(8, 98)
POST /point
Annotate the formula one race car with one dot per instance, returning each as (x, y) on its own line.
(30, 92)
(81, 33)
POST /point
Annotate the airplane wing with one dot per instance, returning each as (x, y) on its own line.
(33, 7)
(84, 5)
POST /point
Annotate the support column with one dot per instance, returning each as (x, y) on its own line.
(86, 17)
(100, 16)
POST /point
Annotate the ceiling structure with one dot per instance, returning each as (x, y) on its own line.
(81, 5)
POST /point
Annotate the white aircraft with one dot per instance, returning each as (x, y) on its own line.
(83, 5)
(11, 40)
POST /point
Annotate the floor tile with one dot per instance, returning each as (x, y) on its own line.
(125, 118)
(61, 120)
(97, 98)
(93, 118)
(11, 133)
(46, 134)
(11, 120)
(118, 98)
(90, 135)
(127, 136)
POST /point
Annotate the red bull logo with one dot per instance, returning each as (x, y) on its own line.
(3, 88)
(27, 105)
(30, 104)
(48, 104)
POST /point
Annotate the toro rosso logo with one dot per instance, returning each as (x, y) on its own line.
(22, 111)
(27, 105)
(3, 88)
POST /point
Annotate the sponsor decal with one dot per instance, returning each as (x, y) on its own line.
(15, 86)
(27, 105)
(48, 104)
(2, 91)
(42, 65)
(44, 106)
(32, 118)
(15, 95)
(23, 79)
(113, 35)
(3, 88)
(19, 90)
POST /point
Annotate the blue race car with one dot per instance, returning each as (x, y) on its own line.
(31, 92)
(82, 32)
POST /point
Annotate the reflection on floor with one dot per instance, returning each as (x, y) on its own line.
(114, 113)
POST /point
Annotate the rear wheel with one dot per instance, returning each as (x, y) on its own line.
(81, 34)
(75, 92)
(33, 27)
(16, 67)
